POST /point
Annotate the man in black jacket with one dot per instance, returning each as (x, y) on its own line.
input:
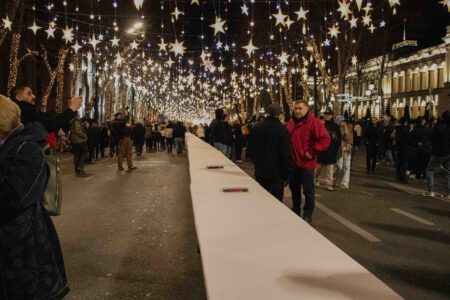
(23, 96)
(269, 149)
(218, 135)
(373, 138)
(440, 153)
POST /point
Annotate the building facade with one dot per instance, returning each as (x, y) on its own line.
(413, 79)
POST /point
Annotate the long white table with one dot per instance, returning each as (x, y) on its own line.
(253, 247)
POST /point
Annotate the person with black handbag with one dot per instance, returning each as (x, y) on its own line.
(31, 261)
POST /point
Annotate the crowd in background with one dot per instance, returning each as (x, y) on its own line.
(415, 149)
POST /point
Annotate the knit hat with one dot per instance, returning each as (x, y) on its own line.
(274, 110)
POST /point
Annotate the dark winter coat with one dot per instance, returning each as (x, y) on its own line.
(269, 148)
(218, 132)
(179, 131)
(119, 129)
(31, 262)
(330, 155)
(405, 143)
(374, 135)
(139, 133)
(387, 138)
(440, 140)
(237, 134)
(104, 138)
(51, 121)
(422, 138)
(229, 134)
(93, 136)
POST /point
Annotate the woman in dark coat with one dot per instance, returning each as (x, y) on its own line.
(31, 262)
(406, 149)
(139, 138)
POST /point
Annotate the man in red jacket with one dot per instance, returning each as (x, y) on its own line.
(308, 137)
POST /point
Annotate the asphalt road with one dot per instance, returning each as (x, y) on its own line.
(130, 235)
(391, 229)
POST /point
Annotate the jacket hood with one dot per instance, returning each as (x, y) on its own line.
(33, 132)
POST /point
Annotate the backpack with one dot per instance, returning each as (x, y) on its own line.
(52, 198)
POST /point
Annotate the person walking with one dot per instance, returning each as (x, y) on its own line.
(148, 136)
(78, 139)
(31, 259)
(139, 138)
(178, 133)
(269, 150)
(406, 149)
(326, 160)
(104, 139)
(308, 138)
(440, 154)
(357, 135)
(123, 133)
(229, 136)
(218, 135)
(373, 136)
(342, 173)
(238, 139)
(422, 137)
(168, 133)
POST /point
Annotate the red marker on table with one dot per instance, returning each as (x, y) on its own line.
(235, 189)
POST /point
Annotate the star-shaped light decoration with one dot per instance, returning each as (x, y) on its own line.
(177, 48)
(283, 58)
(344, 9)
(115, 42)
(7, 23)
(208, 63)
(162, 46)
(50, 31)
(195, 2)
(366, 20)
(383, 23)
(134, 45)
(250, 48)
(34, 27)
(170, 62)
(119, 59)
(446, 3)
(68, 35)
(288, 23)
(393, 3)
(218, 26)
(354, 60)
(176, 13)
(372, 28)
(138, 4)
(353, 22)
(327, 42)
(367, 8)
(359, 4)
(301, 14)
(203, 55)
(244, 9)
(76, 47)
(333, 31)
(279, 18)
(93, 42)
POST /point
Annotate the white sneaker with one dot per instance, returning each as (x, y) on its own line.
(446, 196)
(344, 186)
(330, 188)
(317, 184)
(429, 194)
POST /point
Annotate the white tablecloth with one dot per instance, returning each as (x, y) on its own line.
(253, 247)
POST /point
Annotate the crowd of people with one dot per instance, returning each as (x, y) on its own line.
(304, 153)
(308, 152)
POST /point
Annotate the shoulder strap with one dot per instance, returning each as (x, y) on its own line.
(20, 147)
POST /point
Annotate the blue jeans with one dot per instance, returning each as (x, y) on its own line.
(221, 147)
(303, 178)
(435, 163)
(179, 145)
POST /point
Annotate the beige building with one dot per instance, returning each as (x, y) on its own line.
(412, 78)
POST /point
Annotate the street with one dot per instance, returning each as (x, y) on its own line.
(392, 230)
